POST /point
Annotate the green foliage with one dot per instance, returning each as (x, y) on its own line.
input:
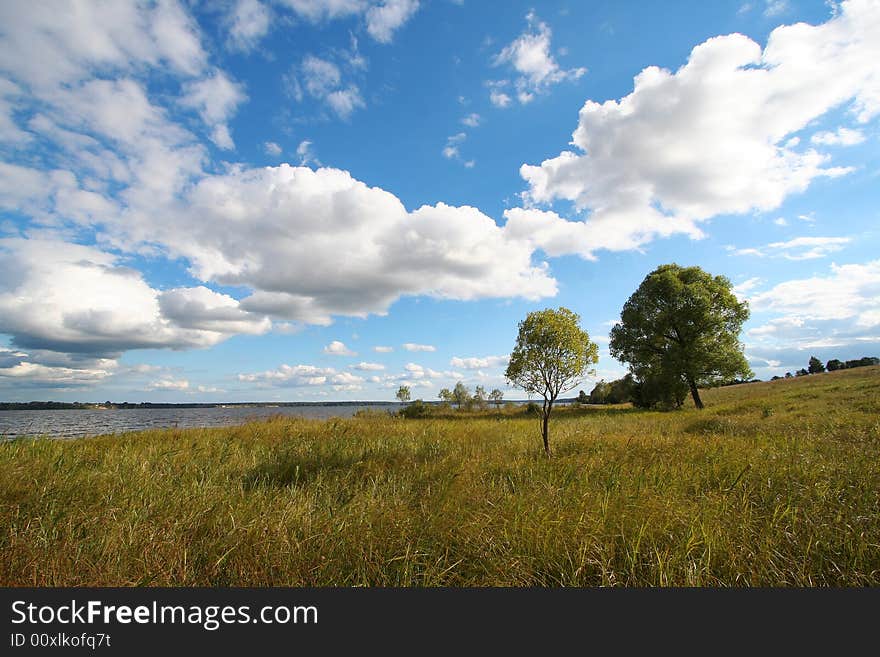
(496, 397)
(661, 391)
(533, 409)
(834, 364)
(682, 323)
(446, 396)
(618, 391)
(480, 397)
(621, 390)
(415, 410)
(403, 394)
(552, 354)
(460, 394)
(815, 366)
(599, 393)
(583, 398)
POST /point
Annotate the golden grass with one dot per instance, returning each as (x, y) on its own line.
(774, 484)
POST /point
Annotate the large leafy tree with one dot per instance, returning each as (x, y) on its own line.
(682, 326)
(552, 355)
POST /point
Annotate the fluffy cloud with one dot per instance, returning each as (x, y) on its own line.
(20, 369)
(337, 348)
(306, 153)
(323, 10)
(295, 376)
(529, 55)
(369, 367)
(178, 385)
(452, 150)
(323, 81)
(841, 308)
(248, 22)
(841, 137)
(382, 17)
(799, 248)
(62, 42)
(69, 298)
(416, 371)
(205, 310)
(477, 363)
(383, 350)
(741, 290)
(216, 99)
(318, 243)
(713, 137)
(850, 291)
(472, 120)
(410, 346)
(80, 78)
(775, 7)
(497, 94)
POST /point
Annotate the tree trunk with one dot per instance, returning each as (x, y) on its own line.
(545, 426)
(695, 393)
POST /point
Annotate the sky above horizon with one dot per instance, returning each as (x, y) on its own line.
(326, 199)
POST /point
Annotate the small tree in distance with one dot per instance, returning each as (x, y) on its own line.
(480, 397)
(815, 366)
(496, 396)
(551, 356)
(460, 394)
(403, 394)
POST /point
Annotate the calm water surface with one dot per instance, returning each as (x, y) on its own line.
(76, 423)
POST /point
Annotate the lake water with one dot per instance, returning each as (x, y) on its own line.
(76, 423)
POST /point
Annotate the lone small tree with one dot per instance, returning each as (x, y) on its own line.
(551, 356)
(480, 397)
(815, 366)
(460, 394)
(682, 324)
(403, 394)
(496, 396)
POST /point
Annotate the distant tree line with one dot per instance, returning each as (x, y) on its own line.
(815, 366)
(460, 395)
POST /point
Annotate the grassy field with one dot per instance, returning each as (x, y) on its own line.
(774, 484)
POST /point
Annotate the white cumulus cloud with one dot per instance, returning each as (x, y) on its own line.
(710, 138)
(476, 362)
(799, 248)
(411, 346)
(530, 56)
(337, 348)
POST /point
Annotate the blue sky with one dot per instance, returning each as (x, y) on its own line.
(326, 199)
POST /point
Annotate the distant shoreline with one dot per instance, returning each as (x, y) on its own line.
(52, 405)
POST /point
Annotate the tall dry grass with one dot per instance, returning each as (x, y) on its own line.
(774, 484)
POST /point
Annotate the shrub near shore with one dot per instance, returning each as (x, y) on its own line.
(774, 484)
